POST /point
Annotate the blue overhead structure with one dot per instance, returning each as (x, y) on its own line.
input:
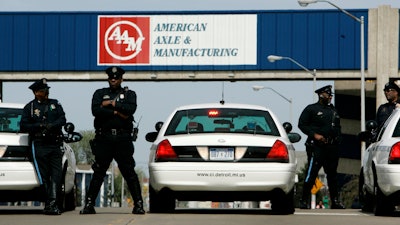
(63, 41)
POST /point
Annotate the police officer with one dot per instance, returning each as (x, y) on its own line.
(113, 109)
(321, 123)
(43, 119)
(392, 91)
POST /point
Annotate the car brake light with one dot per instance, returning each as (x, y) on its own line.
(165, 151)
(213, 113)
(394, 155)
(279, 151)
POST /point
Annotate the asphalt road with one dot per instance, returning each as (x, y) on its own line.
(123, 216)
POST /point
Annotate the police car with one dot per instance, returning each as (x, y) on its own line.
(18, 176)
(222, 152)
(380, 169)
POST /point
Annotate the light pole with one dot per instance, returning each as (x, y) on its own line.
(304, 3)
(273, 58)
(258, 87)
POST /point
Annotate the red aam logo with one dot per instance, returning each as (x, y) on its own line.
(123, 40)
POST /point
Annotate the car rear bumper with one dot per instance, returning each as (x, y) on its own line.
(18, 176)
(255, 177)
(388, 178)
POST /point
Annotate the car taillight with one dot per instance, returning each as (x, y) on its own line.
(165, 151)
(279, 151)
(394, 155)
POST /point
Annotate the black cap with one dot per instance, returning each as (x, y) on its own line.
(327, 89)
(39, 85)
(392, 85)
(115, 72)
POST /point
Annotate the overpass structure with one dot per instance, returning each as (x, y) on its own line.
(211, 46)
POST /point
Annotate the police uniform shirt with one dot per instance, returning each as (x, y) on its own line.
(125, 103)
(36, 113)
(321, 119)
(384, 111)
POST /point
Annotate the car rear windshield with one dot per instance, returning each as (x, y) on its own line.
(222, 120)
(10, 120)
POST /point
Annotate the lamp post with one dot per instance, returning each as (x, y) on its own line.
(273, 58)
(304, 3)
(257, 88)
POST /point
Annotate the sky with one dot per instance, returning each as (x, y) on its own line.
(156, 100)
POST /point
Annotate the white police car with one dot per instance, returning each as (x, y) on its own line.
(18, 177)
(222, 152)
(380, 169)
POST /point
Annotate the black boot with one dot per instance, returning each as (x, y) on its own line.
(336, 204)
(138, 207)
(51, 208)
(89, 207)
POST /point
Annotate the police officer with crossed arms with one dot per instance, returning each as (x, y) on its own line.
(113, 109)
(321, 123)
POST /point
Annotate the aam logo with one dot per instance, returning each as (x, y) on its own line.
(123, 40)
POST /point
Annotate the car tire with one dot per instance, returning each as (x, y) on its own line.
(70, 200)
(366, 198)
(283, 204)
(162, 202)
(383, 206)
(66, 201)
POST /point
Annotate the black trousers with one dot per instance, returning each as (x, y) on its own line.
(327, 157)
(118, 147)
(48, 157)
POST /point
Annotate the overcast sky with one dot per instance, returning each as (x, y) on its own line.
(156, 99)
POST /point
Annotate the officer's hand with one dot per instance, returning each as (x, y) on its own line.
(46, 126)
(106, 103)
(123, 116)
(319, 137)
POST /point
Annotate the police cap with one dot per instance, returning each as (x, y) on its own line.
(327, 89)
(392, 85)
(115, 72)
(39, 85)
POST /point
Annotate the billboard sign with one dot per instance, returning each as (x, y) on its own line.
(171, 40)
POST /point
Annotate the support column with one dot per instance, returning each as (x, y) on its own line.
(383, 47)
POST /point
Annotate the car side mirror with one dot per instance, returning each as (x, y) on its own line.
(287, 126)
(151, 136)
(371, 125)
(69, 127)
(159, 125)
(72, 137)
(294, 137)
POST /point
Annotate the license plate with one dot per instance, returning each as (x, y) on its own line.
(221, 154)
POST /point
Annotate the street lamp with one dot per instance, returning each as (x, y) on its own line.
(258, 87)
(304, 3)
(273, 58)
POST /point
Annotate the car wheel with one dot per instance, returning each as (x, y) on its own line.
(366, 198)
(70, 200)
(384, 206)
(282, 203)
(162, 202)
(66, 201)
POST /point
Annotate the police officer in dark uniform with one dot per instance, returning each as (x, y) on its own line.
(43, 119)
(321, 123)
(392, 91)
(113, 109)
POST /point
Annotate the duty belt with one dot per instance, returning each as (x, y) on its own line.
(113, 131)
(330, 140)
